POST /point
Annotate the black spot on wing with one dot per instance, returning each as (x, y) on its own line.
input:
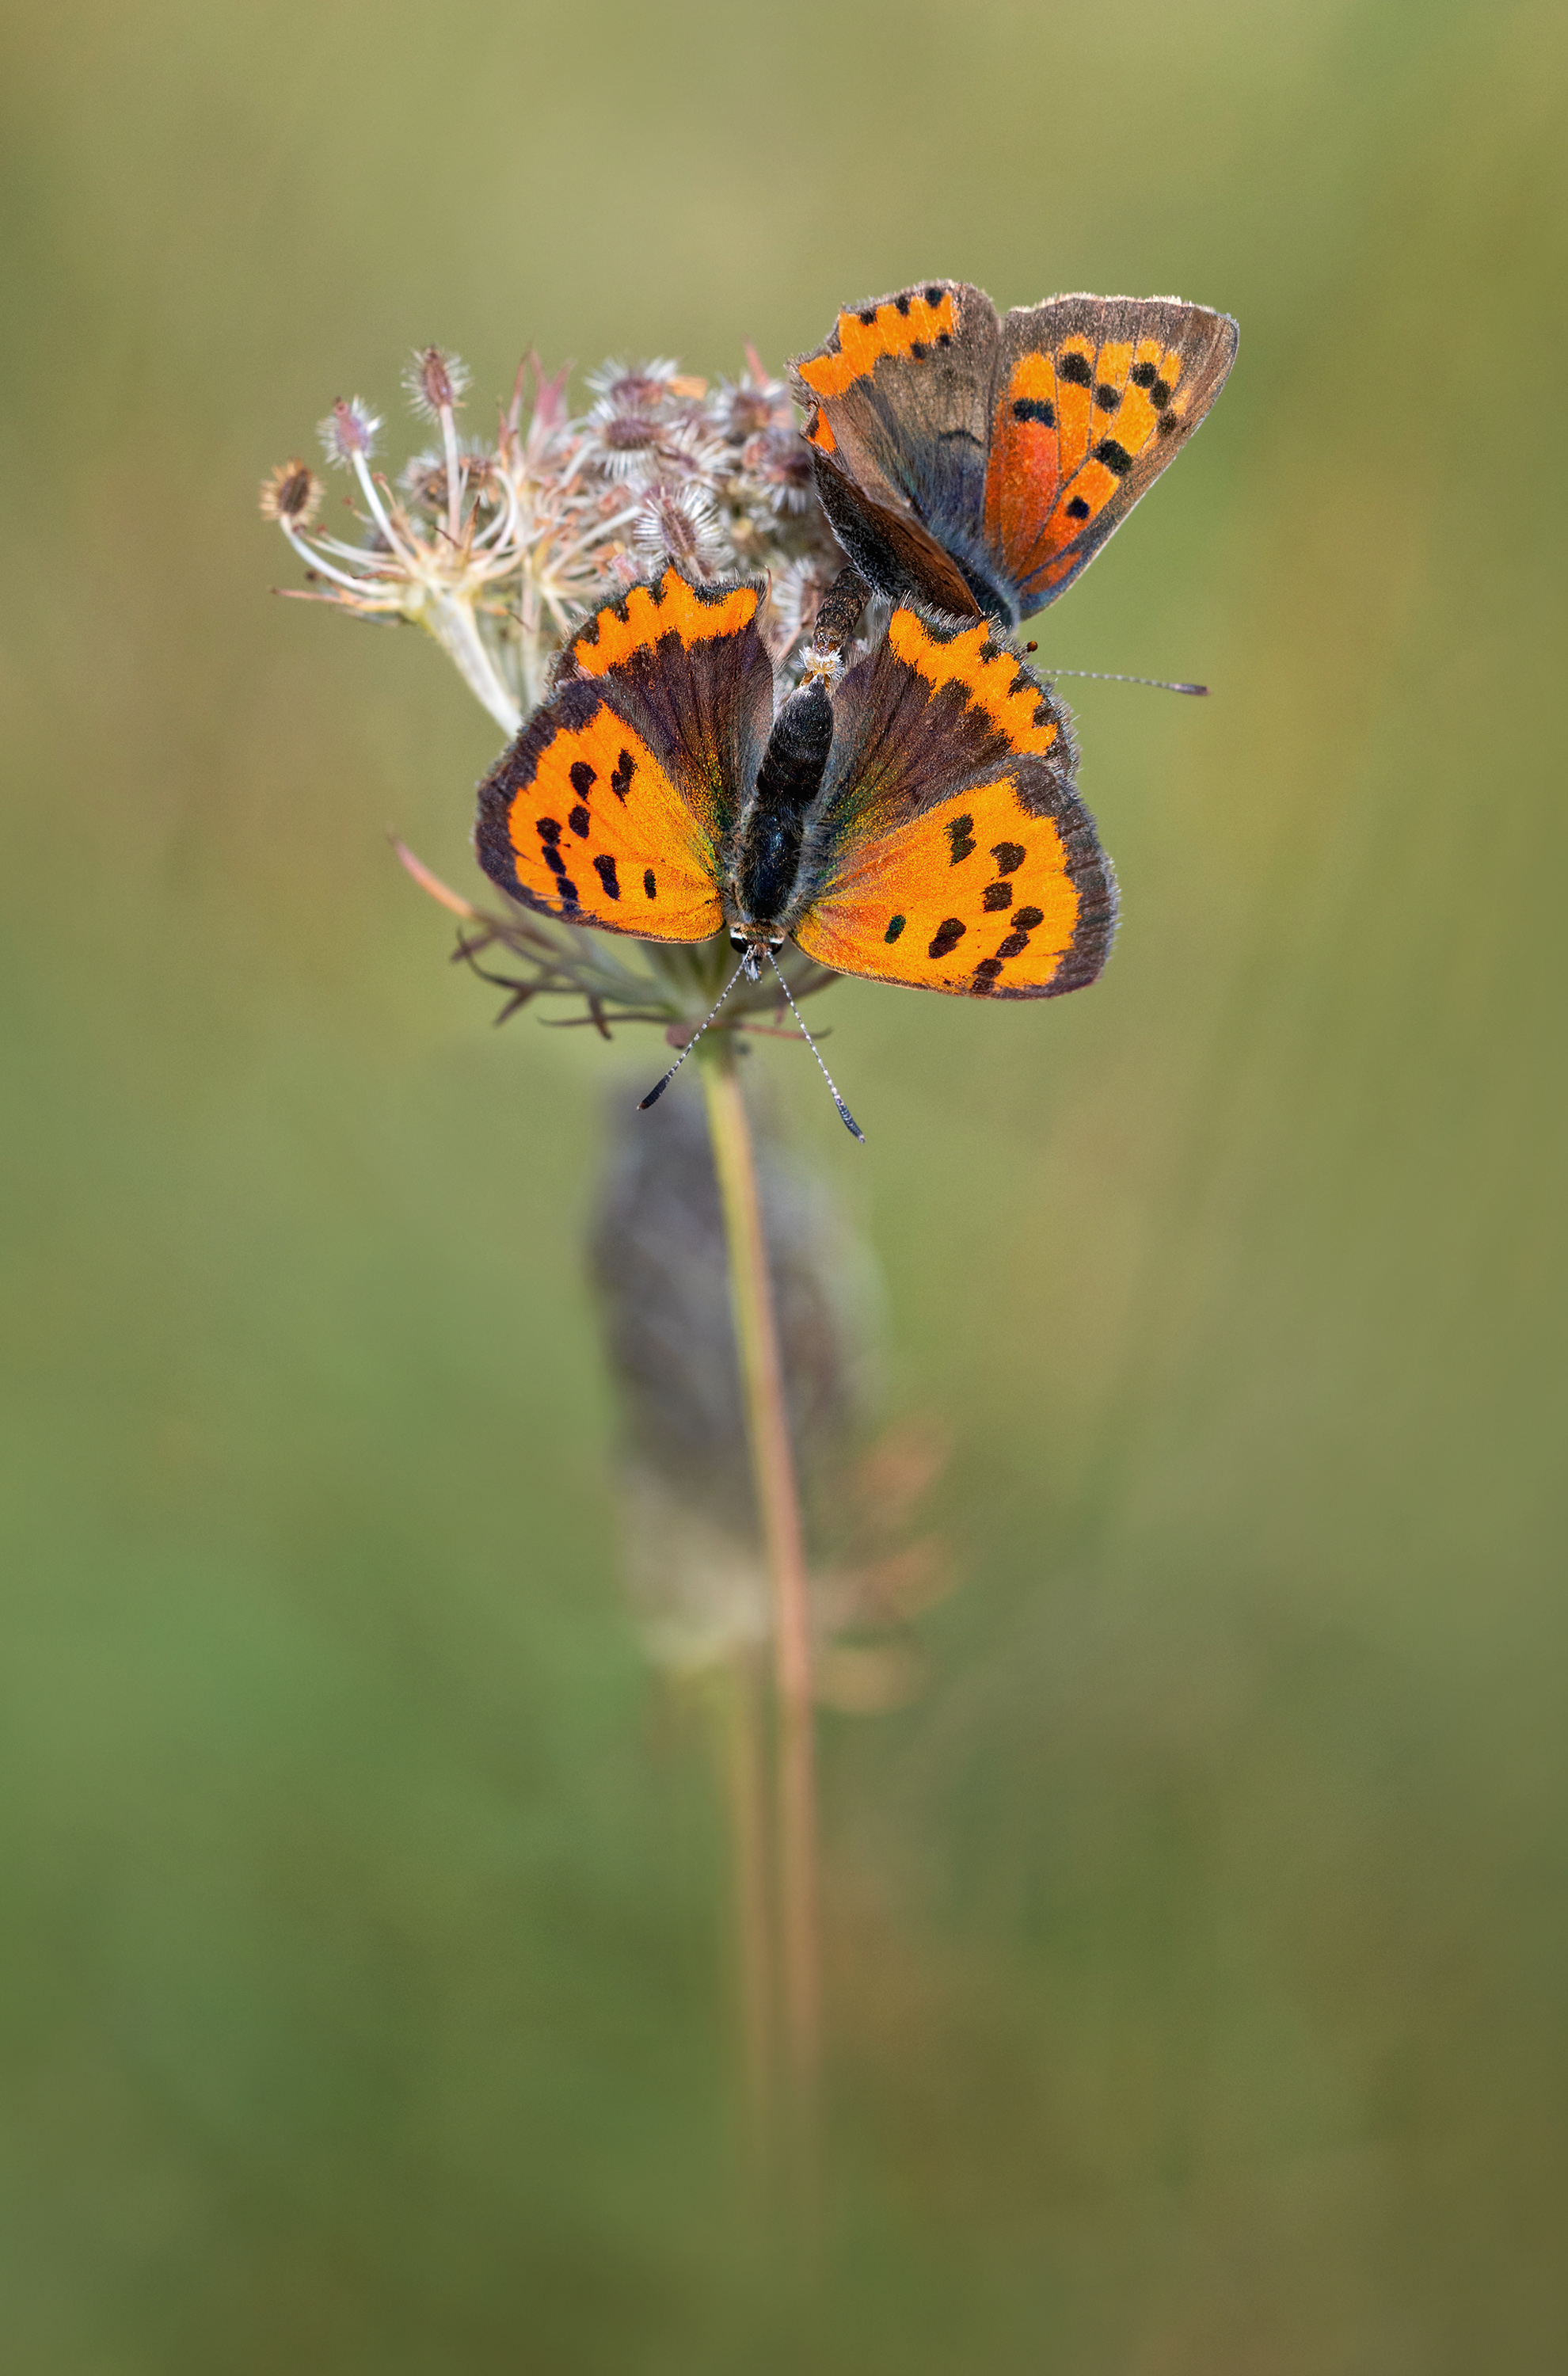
(583, 776)
(1107, 397)
(895, 927)
(961, 837)
(1115, 457)
(1035, 408)
(1142, 374)
(621, 775)
(650, 889)
(1075, 370)
(997, 895)
(579, 821)
(949, 936)
(1077, 508)
(604, 867)
(1009, 857)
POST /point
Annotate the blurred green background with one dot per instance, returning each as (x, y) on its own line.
(1198, 1936)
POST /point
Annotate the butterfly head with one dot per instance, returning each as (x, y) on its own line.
(753, 943)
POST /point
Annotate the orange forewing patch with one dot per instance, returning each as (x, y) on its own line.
(974, 897)
(1045, 483)
(674, 607)
(1023, 473)
(895, 329)
(628, 853)
(988, 671)
(1075, 402)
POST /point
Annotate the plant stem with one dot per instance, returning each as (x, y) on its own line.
(746, 1791)
(773, 1464)
(451, 622)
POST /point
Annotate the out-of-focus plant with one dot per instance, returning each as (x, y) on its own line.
(498, 547)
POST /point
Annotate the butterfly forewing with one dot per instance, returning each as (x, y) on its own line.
(612, 806)
(899, 406)
(952, 852)
(1094, 396)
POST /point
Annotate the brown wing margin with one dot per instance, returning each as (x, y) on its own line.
(615, 804)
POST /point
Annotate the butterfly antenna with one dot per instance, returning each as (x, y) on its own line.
(659, 1086)
(845, 1116)
(1105, 676)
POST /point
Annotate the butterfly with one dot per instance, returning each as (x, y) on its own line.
(980, 463)
(911, 818)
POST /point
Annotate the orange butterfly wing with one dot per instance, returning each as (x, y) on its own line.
(612, 806)
(1094, 396)
(952, 851)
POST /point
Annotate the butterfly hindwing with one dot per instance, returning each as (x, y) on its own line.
(1094, 396)
(613, 805)
(950, 850)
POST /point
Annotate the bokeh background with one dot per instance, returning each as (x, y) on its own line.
(1198, 1934)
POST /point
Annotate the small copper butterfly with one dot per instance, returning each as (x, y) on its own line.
(982, 463)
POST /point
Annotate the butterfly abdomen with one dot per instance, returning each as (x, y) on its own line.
(788, 782)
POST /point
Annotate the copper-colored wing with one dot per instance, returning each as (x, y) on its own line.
(899, 411)
(950, 850)
(613, 805)
(1094, 396)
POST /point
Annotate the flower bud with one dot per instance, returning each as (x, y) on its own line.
(434, 382)
(348, 432)
(290, 495)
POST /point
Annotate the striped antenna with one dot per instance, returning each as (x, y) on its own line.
(845, 1116)
(1107, 676)
(659, 1089)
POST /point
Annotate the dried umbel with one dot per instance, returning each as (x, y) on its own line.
(498, 547)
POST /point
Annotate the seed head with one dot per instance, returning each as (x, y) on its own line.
(678, 524)
(348, 430)
(638, 387)
(622, 441)
(781, 463)
(290, 495)
(434, 382)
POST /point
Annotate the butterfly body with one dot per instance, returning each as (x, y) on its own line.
(981, 461)
(916, 821)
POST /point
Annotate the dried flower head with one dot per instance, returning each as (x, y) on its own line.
(349, 432)
(639, 386)
(498, 546)
(679, 524)
(434, 382)
(290, 495)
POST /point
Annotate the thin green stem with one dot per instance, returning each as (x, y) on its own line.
(745, 1790)
(773, 1464)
